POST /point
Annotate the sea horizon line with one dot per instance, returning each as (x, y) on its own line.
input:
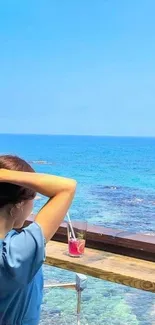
(80, 135)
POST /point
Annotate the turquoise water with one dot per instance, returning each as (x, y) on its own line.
(116, 188)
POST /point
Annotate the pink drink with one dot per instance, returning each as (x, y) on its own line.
(76, 247)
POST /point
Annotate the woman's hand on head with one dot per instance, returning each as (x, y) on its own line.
(59, 190)
(4, 173)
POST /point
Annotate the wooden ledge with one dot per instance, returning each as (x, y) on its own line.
(116, 268)
(113, 240)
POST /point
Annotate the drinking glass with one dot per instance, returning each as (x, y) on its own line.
(76, 238)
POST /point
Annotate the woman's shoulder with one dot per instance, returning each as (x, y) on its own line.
(24, 253)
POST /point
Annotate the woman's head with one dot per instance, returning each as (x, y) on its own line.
(17, 200)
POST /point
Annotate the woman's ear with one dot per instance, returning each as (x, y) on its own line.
(19, 205)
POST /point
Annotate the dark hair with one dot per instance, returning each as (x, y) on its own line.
(10, 193)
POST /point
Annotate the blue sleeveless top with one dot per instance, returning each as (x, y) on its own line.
(21, 279)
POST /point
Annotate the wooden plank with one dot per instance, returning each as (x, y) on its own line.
(124, 270)
(113, 240)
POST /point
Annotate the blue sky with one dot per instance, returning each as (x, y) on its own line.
(77, 67)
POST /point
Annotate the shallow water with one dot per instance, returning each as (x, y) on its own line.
(102, 303)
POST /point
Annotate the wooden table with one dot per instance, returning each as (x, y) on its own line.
(120, 269)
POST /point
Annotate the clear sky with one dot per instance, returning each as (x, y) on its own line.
(77, 67)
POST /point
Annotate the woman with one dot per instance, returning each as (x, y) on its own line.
(22, 254)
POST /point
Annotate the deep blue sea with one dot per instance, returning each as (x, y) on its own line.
(116, 188)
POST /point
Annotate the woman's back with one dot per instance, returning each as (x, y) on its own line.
(21, 280)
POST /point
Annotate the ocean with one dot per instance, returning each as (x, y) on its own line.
(116, 188)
